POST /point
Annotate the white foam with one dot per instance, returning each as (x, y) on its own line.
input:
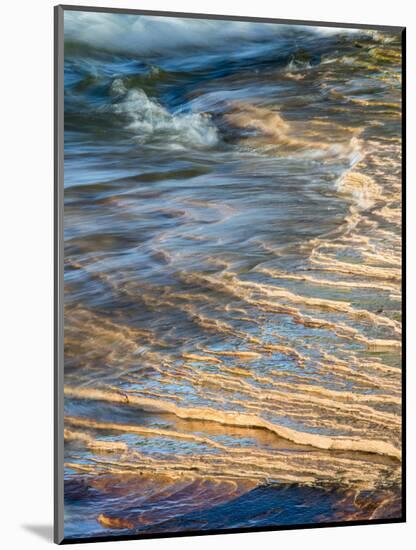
(148, 120)
(152, 34)
(118, 88)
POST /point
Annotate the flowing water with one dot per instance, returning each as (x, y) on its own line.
(232, 275)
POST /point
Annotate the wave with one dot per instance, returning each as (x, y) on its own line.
(240, 420)
(137, 33)
(276, 136)
(148, 120)
(211, 460)
(360, 187)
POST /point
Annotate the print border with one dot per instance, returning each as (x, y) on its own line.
(59, 537)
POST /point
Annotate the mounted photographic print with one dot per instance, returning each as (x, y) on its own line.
(228, 211)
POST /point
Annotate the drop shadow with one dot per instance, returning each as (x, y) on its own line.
(44, 532)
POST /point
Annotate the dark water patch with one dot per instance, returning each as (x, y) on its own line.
(265, 506)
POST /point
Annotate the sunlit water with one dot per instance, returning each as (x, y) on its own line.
(232, 276)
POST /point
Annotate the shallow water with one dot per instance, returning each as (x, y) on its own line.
(232, 275)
